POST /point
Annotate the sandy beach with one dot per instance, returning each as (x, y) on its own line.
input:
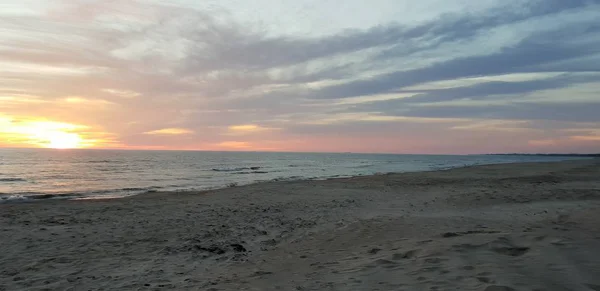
(523, 227)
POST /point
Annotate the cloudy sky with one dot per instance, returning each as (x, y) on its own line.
(402, 76)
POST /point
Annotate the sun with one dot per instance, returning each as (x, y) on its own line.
(46, 134)
(63, 140)
(53, 135)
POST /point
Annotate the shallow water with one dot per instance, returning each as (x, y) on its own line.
(60, 174)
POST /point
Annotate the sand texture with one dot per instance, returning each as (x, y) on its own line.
(495, 228)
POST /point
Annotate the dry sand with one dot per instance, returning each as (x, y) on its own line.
(499, 227)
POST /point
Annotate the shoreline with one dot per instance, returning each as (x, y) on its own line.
(339, 179)
(519, 226)
(45, 198)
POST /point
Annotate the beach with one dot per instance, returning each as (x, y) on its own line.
(529, 226)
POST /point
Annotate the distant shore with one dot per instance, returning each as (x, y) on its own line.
(513, 226)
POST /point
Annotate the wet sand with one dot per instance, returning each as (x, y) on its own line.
(499, 227)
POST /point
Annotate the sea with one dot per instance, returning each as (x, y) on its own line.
(28, 175)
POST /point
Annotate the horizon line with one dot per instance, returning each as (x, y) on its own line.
(307, 152)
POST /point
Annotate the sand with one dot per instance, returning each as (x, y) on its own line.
(499, 227)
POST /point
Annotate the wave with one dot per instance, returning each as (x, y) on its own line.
(104, 162)
(137, 189)
(363, 166)
(291, 178)
(30, 197)
(39, 196)
(236, 169)
(253, 172)
(13, 198)
(12, 180)
(134, 189)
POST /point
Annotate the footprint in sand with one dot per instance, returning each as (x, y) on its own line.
(384, 262)
(504, 245)
(499, 288)
(374, 251)
(485, 280)
(407, 255)
(387, 264)
(434, 260)
(511, 251)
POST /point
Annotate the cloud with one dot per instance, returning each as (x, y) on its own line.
(234, 145)
(530, 55)
(494, 125)
(88, 102)
(586, 137)
(140, 70)
(170, 131)
(121, 93)
(573, 112)
(499, 100)
(492, 90)
(542, 143)
(246, 129)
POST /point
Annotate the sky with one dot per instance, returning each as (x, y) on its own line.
(381, 76)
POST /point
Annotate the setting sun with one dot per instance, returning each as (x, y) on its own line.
(45, 134)
(56, 135)
(63, 140)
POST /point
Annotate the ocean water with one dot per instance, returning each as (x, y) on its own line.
(39, 174)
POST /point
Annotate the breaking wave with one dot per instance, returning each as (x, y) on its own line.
(236, 169)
